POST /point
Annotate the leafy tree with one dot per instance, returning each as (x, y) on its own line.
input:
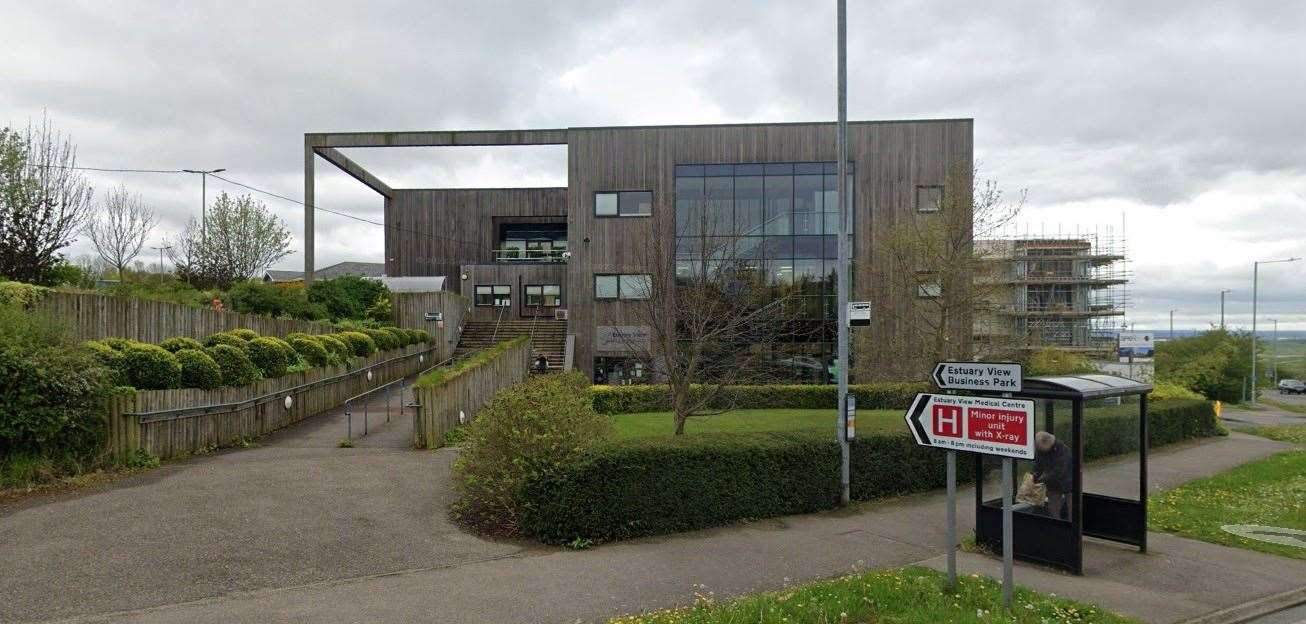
(348, 296)
(44, 200)
(932, 258)
(240, 238)
(119, 231)
(1215, 363)
(253, 297)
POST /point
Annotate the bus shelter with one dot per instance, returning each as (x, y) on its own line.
(1055, 537)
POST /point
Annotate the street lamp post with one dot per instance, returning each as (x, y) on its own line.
(1172, 323)
(1256, 272)
(1274, 353)
(204, 199)
(1222, 294)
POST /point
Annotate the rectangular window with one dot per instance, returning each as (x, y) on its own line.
(929, 290)
(623, 204)
(493, 295)
(543, 296)
(928, 198)
(633, 286)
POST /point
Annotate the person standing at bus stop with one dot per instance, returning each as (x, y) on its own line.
(1053, 468)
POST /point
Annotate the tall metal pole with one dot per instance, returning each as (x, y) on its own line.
(1274, 354)
(1256, 267)
(1222, 294)
(1172, 324)
(845, 215)
(204, 206)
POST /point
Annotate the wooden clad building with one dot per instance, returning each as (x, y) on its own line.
(621, 193)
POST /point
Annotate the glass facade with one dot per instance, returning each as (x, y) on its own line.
(780, 220)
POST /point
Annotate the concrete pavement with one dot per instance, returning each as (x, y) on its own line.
(418, 568)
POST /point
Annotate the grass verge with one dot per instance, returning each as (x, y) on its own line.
(1283, 433)
(648, 424)
(1269, 492)
(1285, 406)
(906, 595)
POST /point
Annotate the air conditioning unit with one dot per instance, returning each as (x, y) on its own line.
(560, 314)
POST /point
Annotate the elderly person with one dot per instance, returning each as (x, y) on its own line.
(1053, 468)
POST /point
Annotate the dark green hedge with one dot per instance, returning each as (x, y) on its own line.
(631, 399)
(653, 486)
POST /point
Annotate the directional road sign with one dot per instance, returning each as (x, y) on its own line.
(989, 425)
(989, 376)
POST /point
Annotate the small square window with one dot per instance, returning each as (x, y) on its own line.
(635, 203)
(929, 198)
(929, 290)
(496, 295)
(605, 204)
(636, 286)
(605, 287)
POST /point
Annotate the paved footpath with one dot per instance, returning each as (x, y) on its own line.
(225, 539)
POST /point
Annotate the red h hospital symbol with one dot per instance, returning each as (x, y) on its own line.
(947, 421)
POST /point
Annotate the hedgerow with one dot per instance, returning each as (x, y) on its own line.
(198, 369)
(654, 398)
(650, 486)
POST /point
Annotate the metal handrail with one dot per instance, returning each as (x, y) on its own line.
(219, 408)
(349, 412)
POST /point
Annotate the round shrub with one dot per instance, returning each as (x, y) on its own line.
(311, 350)
(150, 367)
(268, 356)
(180, 342)
(237, 369)
(107, 357)
(244, 333)
(420, 336)
(226, 338)
(118, 344)
(294, 335)
(360, 344)
(334, 344)
(384, 340)
(402, 339)
(292, 356)
(198, 370)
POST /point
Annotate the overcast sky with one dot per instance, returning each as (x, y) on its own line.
(1179, 124)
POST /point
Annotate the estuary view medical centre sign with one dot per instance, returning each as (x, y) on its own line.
(985, 376)
(989, 425)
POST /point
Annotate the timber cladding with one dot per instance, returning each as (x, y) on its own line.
(436, 231)
(439, 407)
(410, 309)
(92, 317)
(139, 420)
(891, 160)
(518, 276)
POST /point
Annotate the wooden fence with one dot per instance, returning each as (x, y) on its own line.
(409, 310)
(439, 407)
(172, 423)
(91, 317)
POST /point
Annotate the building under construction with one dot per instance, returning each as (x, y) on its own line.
(1063, 292)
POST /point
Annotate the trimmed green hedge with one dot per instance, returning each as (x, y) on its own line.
(311, 351)
(150, 367)
(236, 368)
(360, 344)
(268, 356)
(443, 374)
(181, 342)
(652, 486)
(198, 370)
(632, 399)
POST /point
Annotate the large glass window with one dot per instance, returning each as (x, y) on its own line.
(777, 224)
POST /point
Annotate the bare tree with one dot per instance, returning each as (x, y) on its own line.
(720, 312)
(44, 200)
(934, 258)
(242, 237)
(119, 231)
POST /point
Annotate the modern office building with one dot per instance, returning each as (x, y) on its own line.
(1060, 292)
(578, 254)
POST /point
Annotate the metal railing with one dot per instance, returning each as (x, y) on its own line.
(349, 412)
(546, 256)
(221, 408)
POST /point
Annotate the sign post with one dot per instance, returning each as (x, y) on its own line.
(999, 426)
(850, 417)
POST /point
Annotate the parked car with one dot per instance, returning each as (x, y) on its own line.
(1292, 386)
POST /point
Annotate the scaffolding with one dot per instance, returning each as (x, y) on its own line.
(1067, 290)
